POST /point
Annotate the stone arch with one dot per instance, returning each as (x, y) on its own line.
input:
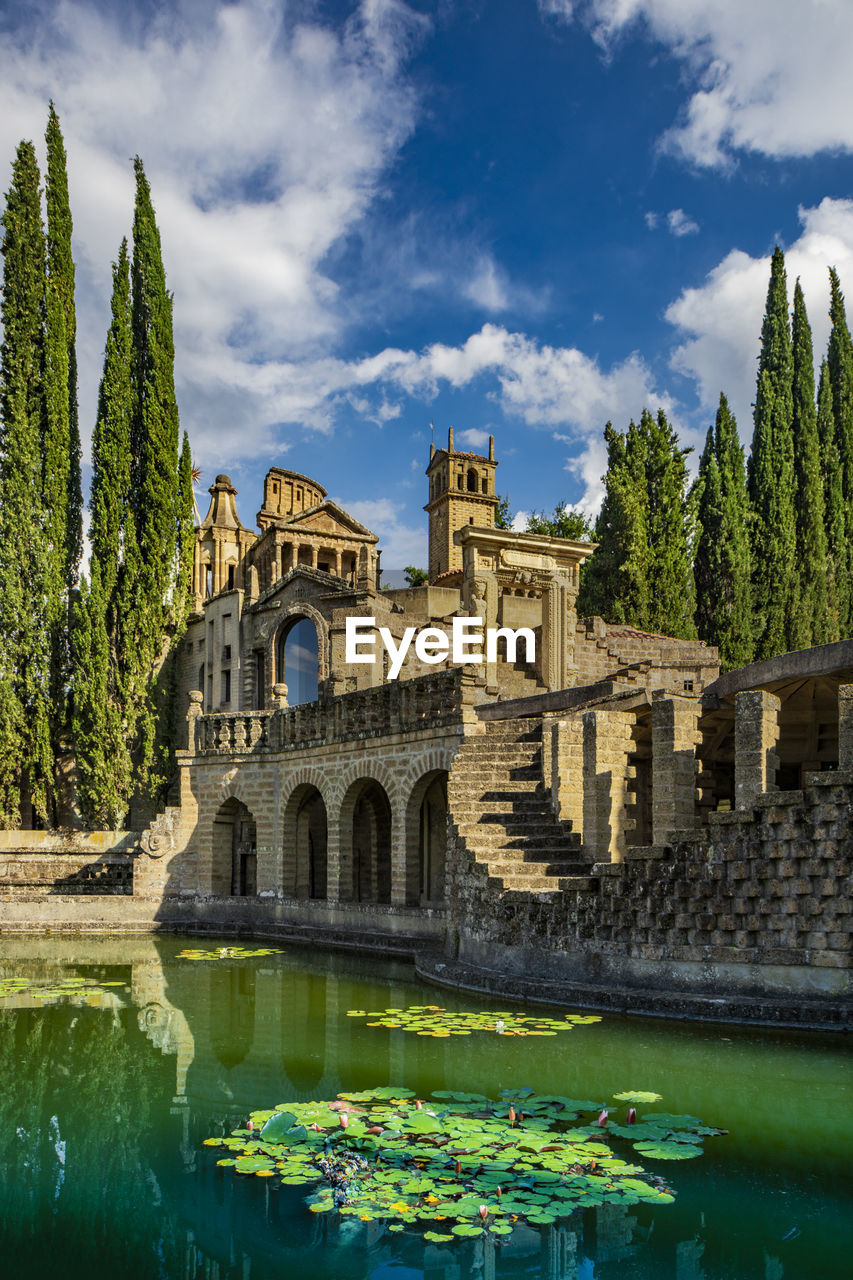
(471, 480)
(290, 614)
(234, 850)
(305, 840)
(365, 835)
(232, 997)
(426, 839)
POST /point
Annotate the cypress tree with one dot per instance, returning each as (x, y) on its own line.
(104, 709)
(61, 274)
(837, 577)
(721, 567)
(771, 476)
(155, 435)
(185, 535)
(671, 591)
(614, 581)
(839, 358)
(641, 572)
(810, 624)
(26, 758)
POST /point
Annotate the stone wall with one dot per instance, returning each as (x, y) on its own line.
(758, 903)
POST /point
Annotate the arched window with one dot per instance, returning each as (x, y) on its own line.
(297, 661)
(472, 481)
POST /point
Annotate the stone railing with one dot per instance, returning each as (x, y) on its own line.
(230, 733)
(431, 701)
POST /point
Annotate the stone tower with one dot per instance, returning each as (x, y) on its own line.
(221, 542)
(461, 493)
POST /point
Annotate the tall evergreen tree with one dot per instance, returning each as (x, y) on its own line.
(155, 436)
(839, 359)
(26, 758)
(810, 623)
(641, 573)
(771, 476)
(615, 581)
(837, 576)
(104, 716)
(721, 566)
(61, 276)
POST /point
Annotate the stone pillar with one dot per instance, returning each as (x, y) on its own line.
(279, 696)
(845, 726)
(559, 622)
(194, 710)
(338, 563)
(675, 737)
(567, 771)
(756, 735)
(399, 884)
(333, 861)
(607, 742)
(277, 563)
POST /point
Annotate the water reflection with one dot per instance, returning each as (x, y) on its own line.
(104, 1111)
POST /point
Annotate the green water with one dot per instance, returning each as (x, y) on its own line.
(103, 1111)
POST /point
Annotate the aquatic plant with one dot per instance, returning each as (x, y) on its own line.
(461, 1163)
(433, 1020)
(227, 953)
(85, 989)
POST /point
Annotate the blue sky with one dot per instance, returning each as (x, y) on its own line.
(523, 217)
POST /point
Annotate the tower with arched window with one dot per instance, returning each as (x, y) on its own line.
(461, 493)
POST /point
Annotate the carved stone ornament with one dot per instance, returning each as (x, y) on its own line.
(527, 560)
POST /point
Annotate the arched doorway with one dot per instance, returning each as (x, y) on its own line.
(235, 851)
(232, 999)
(305, 841)
(297, 660)
(366, 828)
(426, 839)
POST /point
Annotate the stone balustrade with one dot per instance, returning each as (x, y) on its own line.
(405, 706)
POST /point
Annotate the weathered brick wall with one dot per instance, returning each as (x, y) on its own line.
(680, 665)
(758, 902)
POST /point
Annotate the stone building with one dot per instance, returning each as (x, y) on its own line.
(603, 820)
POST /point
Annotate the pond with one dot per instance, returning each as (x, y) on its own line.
(110, 1091)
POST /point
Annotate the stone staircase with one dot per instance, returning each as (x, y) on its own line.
(503, 812)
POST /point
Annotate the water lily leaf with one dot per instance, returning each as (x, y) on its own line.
(466, 1229)
(279, 1124)
(667, 1150)
(638, 1099)
(437, 1237)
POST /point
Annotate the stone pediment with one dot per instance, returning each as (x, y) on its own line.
(330, 520)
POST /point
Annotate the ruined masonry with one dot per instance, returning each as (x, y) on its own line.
(612, 824)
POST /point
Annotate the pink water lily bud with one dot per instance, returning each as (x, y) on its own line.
(483, 1211)
(500, 1192)
(343, 1119)
(602, 1119)
(511, 1114)
(458, 1168)
(419, 1106)
(631, 1117)
(250, 1124)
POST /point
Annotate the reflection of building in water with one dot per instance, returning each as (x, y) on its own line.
(560, 1254)
(614, 1233)
(687, 1260)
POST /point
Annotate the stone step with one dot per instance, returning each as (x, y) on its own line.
(526, 870)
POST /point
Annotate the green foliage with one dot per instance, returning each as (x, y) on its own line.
(474, 1165)
(433, 1020)
(562, 523)
(641, 572)
(721, 565)
(810, 622)
(228, 953)
(771, 477)
(839, 361)
(837, 579)
(503, 512)
(27, 567)
(415, 577)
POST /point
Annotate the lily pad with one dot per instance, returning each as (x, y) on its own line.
(434, 1020)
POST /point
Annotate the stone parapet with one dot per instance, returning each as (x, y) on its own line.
(756, 735)
(675, 738)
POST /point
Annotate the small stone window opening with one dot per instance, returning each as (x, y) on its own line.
(226, 688)
(688, 686)
(484, 485)
(230, 577)
(470, 519)
(226, 653)
(208, 580)
(472, 481)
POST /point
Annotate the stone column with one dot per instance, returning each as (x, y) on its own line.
(338, 563)
(567, 771)
(845, 726)
(559, 621)
(756, 735)
(399, 885)
(675, 737)
(607, 742)
(277, 564)
(333, 861)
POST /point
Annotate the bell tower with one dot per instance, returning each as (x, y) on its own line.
(461, 493)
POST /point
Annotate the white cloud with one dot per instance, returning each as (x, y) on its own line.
(721, 319)
(652, 219)
(401, 544)
(770, 76)
(680, 223)
(487, 287)
(560, 9)
(265, 141)
(473, 438)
